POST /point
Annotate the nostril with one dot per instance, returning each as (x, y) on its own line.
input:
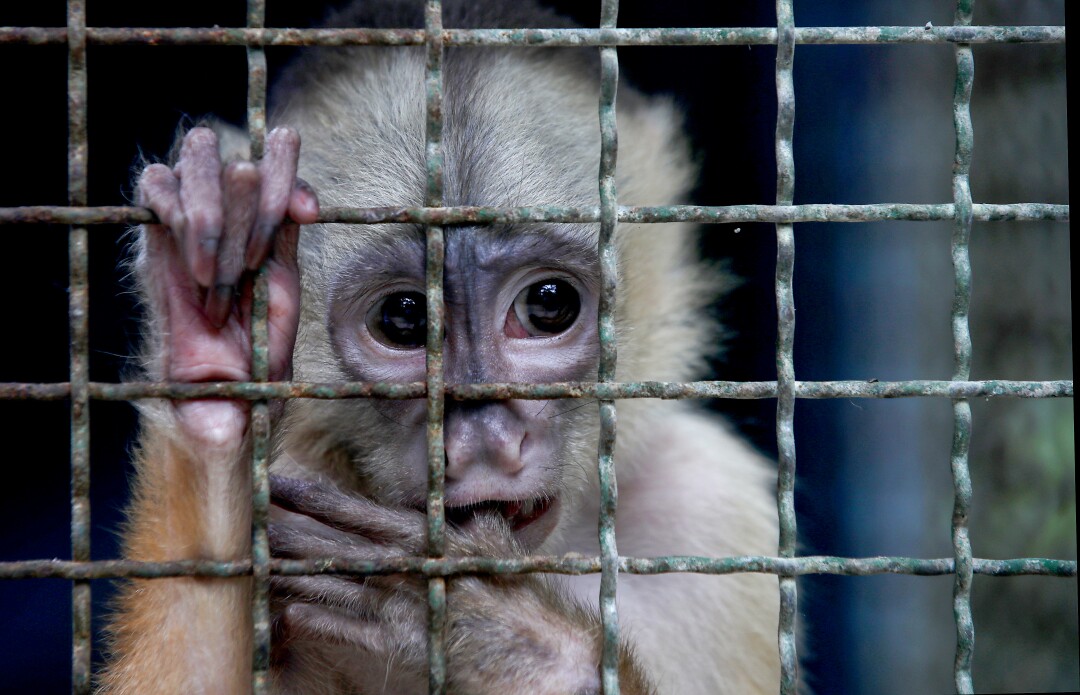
(494, 451)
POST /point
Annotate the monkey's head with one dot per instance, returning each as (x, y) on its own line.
(520, 300)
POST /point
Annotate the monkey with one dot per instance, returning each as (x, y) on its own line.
(347, 303)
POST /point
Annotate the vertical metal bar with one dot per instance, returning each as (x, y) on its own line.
(260, 371)
(965, 627)
(609, 493)
(78, 327)
(435, 255)
(785, 340)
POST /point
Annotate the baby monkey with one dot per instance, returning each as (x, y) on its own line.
(347, 303)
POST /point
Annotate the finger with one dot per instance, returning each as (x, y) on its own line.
(303, 203)
(278, 174)
(300, 537)
(285, 246)
(305, 621)
(355, 596)
(159, 190)
(351, 514)
(199, 170)
(240, 194)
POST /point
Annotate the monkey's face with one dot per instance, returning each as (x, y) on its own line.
(520, 307)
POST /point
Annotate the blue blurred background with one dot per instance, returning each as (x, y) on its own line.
(873, 125)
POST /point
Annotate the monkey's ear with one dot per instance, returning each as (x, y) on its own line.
(655, 167)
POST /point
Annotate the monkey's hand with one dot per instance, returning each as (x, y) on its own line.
(512, 633)
(192, 498)
(220, 223)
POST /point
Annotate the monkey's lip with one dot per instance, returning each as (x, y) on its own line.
(518, 513)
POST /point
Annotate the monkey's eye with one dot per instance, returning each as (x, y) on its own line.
(548, 307)
(400, 320)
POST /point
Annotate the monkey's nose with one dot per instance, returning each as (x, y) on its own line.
(492, 454)
(483, 440)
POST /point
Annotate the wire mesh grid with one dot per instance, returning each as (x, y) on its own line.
(786, 565)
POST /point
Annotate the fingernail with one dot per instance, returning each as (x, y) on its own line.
(204, 264)
(218, 304)
(259, 246)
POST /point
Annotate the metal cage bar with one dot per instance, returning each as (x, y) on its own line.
(435, 250)
(571, 565)
(701, 214)
(961, 444)
(608, 36)
(260, 372)
(742, 390)
(609, 277)
(785, 342)
(79, 355)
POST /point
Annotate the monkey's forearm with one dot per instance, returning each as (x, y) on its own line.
(192, 499)
(191, 502)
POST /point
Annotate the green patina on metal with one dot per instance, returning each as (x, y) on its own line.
(471, 215)
(609, 278)
(743, 390)
(260, 372)
(705, 36)
(435, 257)
(572, 565)
(785, 342)
(961, 186)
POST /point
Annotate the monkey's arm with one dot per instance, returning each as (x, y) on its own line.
(517, 633)
(192, 495)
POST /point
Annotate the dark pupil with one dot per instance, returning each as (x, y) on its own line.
(404, 319)
(552, 305)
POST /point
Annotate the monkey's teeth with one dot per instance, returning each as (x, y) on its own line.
(522, 513)
(518, 513)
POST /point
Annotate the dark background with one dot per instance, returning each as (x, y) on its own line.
(137, 94)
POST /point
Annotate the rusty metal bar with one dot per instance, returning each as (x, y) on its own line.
(785, 342)
(79, 354)
(705, 36)
(961, 444)
(260, 372)
(609, 279)
(612, 390)
(435, 249)
(726, 214)
(571, 565)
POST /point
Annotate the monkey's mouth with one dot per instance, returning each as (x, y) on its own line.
(517, 513)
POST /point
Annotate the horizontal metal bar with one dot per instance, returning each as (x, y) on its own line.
(724, 214)
(743, 390)
(733, 36)
(433, 567)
